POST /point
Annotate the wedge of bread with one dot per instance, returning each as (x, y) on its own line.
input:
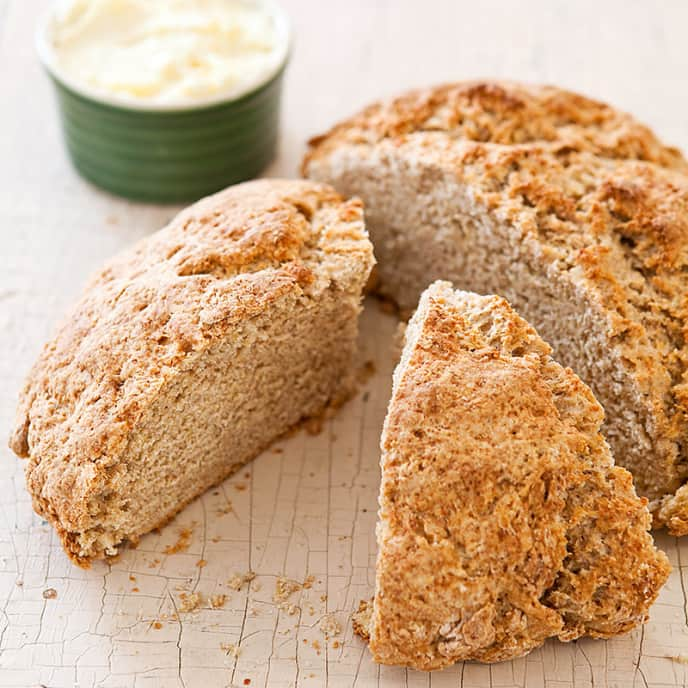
(573, 211)
(503, 520)
(188, 354)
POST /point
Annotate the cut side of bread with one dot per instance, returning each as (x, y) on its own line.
(188, 355)
(503, 520)
(571, 210)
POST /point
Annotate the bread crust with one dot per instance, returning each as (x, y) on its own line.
(152, 311)
(503, 520)
(503, 113)
(589, 193)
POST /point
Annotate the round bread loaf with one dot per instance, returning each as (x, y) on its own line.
(570, 209)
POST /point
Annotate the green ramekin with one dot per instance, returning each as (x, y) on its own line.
(167, 154)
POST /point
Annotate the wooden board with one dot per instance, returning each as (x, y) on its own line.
(307, 507)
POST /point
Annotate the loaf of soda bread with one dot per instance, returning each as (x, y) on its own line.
(573, 211)
(188, 354)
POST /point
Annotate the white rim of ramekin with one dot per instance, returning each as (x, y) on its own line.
(48, 58)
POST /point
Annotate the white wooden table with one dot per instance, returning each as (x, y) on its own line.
(308, 507)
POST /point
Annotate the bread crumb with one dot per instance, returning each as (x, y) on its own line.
(201, 563)
(217, 601)
(190, 601)
(49, 594)
(316, 646)
(361, 619)
(284, 588)
(336, 644)
(157, 625)
(308, 583)
(226, 509)
(329, 625)
(135, 589)
(183, 542)
(237, 581)
(240, 487)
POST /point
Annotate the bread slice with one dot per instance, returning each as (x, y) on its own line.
(573, 211)
(503, 520)
(188, 354)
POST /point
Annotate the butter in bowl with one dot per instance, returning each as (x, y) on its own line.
(167, 100)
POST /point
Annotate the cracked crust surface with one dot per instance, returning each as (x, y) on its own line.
(503, 520)
(588, 199)
(506, 114)
(150, 315)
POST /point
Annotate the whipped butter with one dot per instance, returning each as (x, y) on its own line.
(168, 52)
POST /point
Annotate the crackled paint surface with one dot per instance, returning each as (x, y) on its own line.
(305, 510)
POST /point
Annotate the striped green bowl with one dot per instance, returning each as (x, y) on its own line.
(167, 154)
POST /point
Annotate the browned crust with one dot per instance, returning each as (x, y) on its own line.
(503, 520)
(503, 113)
(151, 310)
